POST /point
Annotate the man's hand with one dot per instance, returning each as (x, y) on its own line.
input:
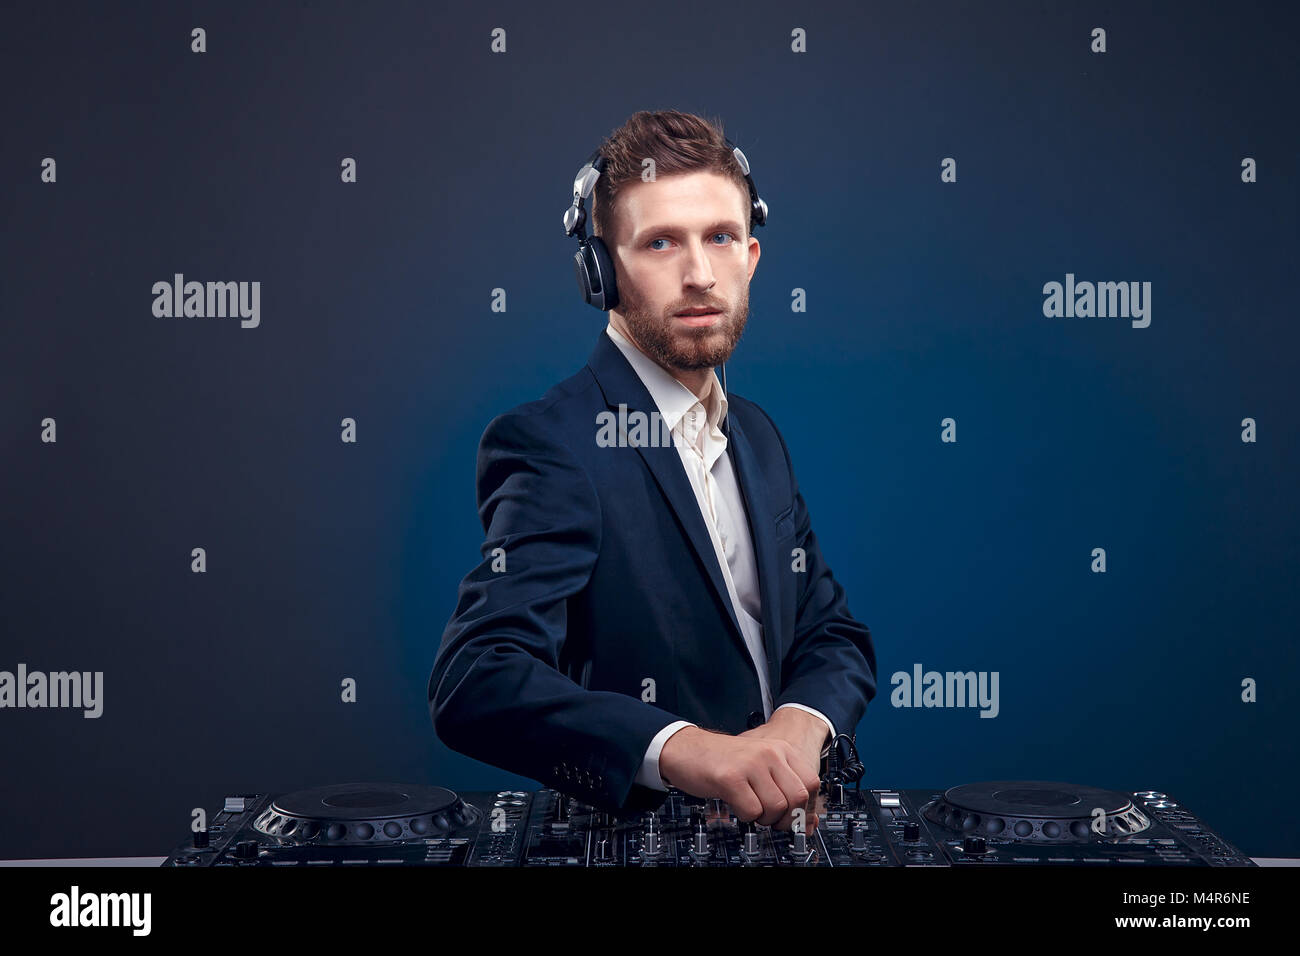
(807, 734)
(763, 776)
(801, 729)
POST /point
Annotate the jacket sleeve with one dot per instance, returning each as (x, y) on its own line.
(497, 693)
(831, 664)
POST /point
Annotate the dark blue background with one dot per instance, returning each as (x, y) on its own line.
(328, 560)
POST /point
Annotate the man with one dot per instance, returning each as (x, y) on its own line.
(652, 608)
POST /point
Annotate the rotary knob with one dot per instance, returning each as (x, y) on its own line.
(974, 845)
(858, 834)
(246, 850)
(911, 832)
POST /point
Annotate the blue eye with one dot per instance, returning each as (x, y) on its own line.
(651, 243)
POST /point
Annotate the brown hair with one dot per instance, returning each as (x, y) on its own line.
(677, 142)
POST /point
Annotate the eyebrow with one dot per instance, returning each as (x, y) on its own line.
(727, 225)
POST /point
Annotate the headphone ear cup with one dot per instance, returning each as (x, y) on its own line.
(596, 274)
(581, 269)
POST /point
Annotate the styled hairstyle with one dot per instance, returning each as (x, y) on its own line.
(677, 142)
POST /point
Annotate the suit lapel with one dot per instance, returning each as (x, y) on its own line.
(620, 384)
(763, 533)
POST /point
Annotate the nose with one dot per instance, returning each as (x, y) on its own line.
(699, 270)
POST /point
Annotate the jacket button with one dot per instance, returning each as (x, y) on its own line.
(755, 719)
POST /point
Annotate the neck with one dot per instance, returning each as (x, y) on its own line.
(698, 380)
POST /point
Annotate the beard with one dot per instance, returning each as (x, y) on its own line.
(682, 347)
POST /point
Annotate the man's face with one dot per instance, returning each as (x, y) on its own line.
(681, 244)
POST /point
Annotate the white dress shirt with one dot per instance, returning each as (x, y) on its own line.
(697, 434)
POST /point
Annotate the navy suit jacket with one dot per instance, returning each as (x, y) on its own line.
(611, 581)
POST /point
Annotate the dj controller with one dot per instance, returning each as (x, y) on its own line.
(1000, 823)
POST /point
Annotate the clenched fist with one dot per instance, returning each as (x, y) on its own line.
(764, 774)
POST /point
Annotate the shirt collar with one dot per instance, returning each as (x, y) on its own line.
(672, 397)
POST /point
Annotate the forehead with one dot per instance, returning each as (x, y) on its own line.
(682, 200)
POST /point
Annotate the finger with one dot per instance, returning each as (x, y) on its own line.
(812, 781)
(775, 800)
(792, 795)
(810, 820)
(797, 793)
(745, 804)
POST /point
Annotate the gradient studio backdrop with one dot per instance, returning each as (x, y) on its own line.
(328, 560)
